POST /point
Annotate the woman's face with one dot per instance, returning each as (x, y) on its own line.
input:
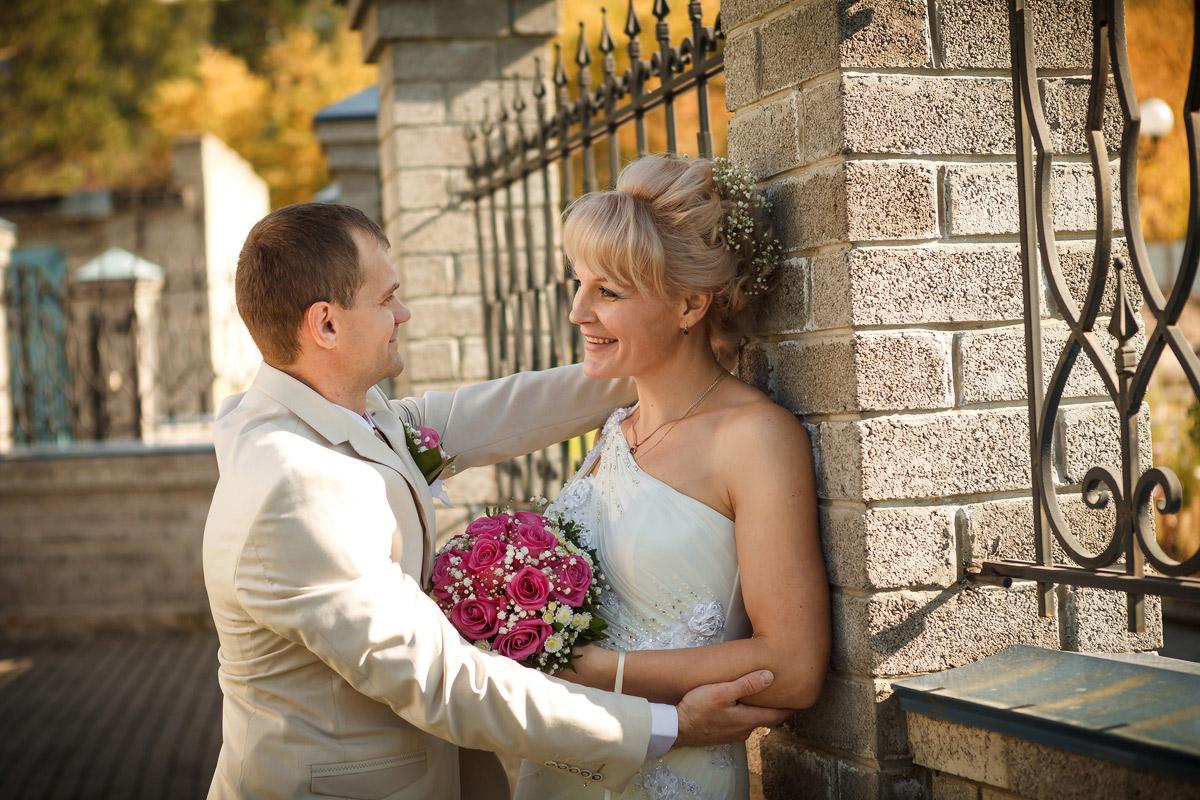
(626, 333)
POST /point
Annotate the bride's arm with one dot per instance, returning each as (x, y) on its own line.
(767, 460)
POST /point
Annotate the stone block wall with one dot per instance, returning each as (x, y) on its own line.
(884, 134)
(106, 539)
(439, 62)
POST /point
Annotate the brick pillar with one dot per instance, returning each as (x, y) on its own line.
(8, 240)
(439, 61)
(885, 132)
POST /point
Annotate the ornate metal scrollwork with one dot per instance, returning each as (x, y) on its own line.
(1127, 373)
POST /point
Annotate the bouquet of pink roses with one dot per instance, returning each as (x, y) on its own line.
(522, 585)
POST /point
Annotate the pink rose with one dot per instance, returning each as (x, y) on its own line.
(525, 639)
(476, 618)
(487, 552)
(428, 437)
(529, 518)
(487, 526)
(440, 577)
(529, 588)
(535, 537)
(574, 578)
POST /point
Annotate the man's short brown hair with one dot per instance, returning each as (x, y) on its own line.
(294, 257)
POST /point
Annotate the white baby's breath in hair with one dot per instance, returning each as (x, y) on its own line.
(740, 229)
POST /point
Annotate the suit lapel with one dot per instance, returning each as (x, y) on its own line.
(336, 426)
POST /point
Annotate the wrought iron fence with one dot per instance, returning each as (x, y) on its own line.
(529, 160)
(1126, 375)
(101, 359)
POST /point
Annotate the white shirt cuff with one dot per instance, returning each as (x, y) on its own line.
(664, 729)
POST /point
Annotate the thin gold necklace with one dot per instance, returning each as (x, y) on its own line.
(633, 447)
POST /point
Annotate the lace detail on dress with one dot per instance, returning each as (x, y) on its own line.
(664, 783)
(572, 503)
(703, 624)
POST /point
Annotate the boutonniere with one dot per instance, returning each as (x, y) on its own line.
(425, 446)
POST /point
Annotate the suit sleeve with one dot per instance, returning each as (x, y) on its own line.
(496, 420)
(317, 571)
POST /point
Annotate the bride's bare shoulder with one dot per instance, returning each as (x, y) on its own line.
(753, 422)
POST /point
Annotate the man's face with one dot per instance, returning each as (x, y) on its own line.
(367, 332)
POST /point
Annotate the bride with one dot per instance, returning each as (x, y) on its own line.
(700, 499)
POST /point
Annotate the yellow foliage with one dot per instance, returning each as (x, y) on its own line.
(267, 117)
(1157, 35)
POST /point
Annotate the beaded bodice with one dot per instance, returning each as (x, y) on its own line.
(671, 560)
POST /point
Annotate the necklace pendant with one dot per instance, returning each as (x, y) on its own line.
(632, 449)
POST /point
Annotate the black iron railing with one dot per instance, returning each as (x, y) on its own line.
(1122, 563)
(525, 169)
(101, 360)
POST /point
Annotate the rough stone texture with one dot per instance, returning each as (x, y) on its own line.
(884, 33)
(1089, 436)
(1003, 529)
(436, 317)
(785, 308)
(948, 787)
(1075, 262)
(991, 364)
(974, 33)
(794, 771)
(889, 548)
(927, 455)
(432, 360)
(423, 188)
(444, 60)
(443, 20)
(1099, 622)
(1065, 101)
(867, 371)
(741, 69)
(856, 201)
(822, 113)
(425, 276)
(1004, 764)
(765, 139)
(735, 13)
(897, 371)
(927, 115)
(441, 231)
(890, 200)
(917, 285)
(810, 29)
(908, 632)
(856, 715)
(414, 103)
(904, 782)
(535, 18)
(429, 146)
(981, 199)
(105, 542)
(754, 366)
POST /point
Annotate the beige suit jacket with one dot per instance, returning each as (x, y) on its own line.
(340, 676)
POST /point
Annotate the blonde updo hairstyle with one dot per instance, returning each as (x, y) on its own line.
(660, 231)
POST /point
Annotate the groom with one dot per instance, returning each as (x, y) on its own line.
(340, 676)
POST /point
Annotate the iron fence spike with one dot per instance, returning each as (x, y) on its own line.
(632, 26)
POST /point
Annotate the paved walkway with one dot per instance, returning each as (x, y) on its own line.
(124, 717)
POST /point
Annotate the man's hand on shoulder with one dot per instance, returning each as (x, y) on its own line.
(711, 714)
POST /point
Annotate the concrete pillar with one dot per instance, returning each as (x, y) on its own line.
(439, 62)
(349, 134)
(885, 133)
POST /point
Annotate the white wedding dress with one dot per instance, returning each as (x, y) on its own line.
(672, 564)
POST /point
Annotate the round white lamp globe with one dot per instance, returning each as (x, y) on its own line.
(1157, 118)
